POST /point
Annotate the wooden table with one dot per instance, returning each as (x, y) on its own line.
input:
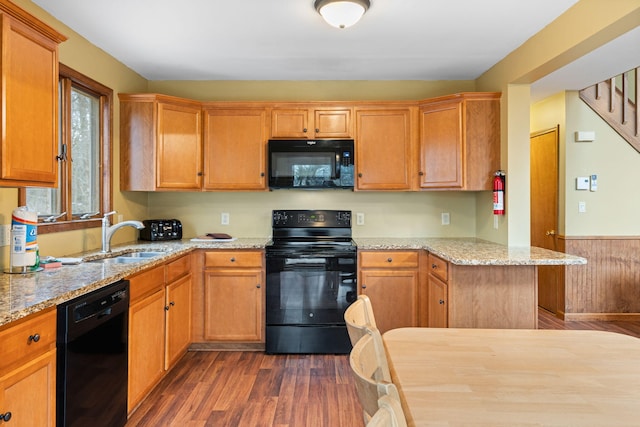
(508, 377)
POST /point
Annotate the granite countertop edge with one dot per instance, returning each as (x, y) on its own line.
(25, 294)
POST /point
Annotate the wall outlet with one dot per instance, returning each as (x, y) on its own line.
(445, 218)
(5, 235)
(359, 218)
(224, 218)
(119, 218)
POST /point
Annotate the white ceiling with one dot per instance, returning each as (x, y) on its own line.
(288, 40)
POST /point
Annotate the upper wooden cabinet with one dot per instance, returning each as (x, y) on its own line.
(235, 148)
(312, 122)
(160, 143)
(29, 90)
(459, 141)
(383, 148)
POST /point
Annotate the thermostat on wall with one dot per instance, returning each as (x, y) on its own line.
(582, 183)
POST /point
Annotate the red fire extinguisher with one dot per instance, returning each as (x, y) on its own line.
(498, 192)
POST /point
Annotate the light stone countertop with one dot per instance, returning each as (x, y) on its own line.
(472, 251)
(24, 294)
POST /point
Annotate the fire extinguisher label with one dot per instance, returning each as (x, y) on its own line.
(498, 200)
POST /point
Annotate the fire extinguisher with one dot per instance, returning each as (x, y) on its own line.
(498, 192)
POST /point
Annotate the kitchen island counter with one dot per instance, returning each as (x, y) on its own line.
(472, 251)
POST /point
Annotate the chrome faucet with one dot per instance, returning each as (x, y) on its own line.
(108, 230)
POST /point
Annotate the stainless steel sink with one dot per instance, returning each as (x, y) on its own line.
(141, 255)
(128, 258)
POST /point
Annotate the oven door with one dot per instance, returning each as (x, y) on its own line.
(309, 289)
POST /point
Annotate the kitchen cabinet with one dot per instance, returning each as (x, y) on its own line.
(390, 280)
(384, 148)
(311, 122)
(28, 370)
(159, 324)
(160, 143)
(235, 148)
(234, 296)
(29, 89)
(459, 141)
(437, 289)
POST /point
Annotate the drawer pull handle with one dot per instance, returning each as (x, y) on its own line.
(389, 260)
(441, 301)
(364, 286)
(233, 259)
(5, 417)
(32, 338)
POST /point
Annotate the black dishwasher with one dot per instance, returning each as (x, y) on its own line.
(92, 358)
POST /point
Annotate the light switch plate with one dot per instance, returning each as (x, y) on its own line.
(445, 218)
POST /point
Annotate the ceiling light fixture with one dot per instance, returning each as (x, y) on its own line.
(342, 13)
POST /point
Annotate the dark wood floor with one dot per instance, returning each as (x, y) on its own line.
(252, 389)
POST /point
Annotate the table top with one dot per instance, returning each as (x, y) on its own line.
(504, 377)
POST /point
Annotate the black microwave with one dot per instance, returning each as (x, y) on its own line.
(313, 163)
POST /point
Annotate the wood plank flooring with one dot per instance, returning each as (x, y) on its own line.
(209, 388)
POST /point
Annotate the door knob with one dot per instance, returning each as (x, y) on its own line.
(551, 233)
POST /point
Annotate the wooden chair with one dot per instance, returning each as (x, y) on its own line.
(389, 414)
(369, 365)
(359, 318)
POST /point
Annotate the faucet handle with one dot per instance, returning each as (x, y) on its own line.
(108, 213)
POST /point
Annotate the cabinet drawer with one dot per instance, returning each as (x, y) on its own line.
(438, 267)
(390, 259)
(178, 268)
(146, 283)
(238, 259)
(27, 338)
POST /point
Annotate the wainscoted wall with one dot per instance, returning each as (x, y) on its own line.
(608, 287)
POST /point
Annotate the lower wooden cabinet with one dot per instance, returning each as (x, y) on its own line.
(234, 296)
(28, 371)
(390, 280)
(159, 324)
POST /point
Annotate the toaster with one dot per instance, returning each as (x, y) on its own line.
(161, 229)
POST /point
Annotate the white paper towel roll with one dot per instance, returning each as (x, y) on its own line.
(24, 234)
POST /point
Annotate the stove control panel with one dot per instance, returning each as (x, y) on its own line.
(311, 218)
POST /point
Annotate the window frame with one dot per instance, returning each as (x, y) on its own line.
(69, 78)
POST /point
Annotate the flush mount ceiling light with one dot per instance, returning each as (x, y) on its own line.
(342, 13)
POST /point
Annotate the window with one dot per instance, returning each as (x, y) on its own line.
(84, 178)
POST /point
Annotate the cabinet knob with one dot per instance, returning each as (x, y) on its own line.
(304, 130)
(434, 266)
(421, 173)
(172, 303)
(34, 338)
(200, 173)
(166, 308)
(258, 286)
(317, 130)
(232, 259)
(441, 301)
(389, 260)
(5, 417)
(364, 286)
(261, 174)
(359, 175)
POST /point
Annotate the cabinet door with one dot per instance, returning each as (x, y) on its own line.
(290, 123)
(383, 149)
(178, 320)
(30, 106)
(233, 305)
(437, 301)
(146, 346)
(29, 392)
(234, 149)
(179, 151)
(441, 146)
(393, 295)
(334, 123)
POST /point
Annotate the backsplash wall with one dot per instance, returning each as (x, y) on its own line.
(409, 214)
